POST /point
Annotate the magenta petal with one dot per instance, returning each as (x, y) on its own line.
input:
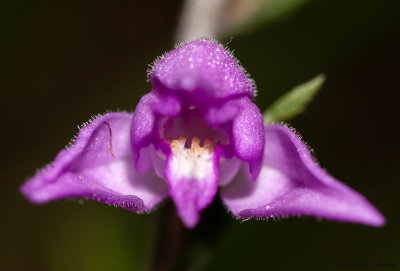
(142, 131)
(291, 183)
(201, 68)
(192, 177)
(221, 113)
(98, 166)
(146, 120)
(248, 136)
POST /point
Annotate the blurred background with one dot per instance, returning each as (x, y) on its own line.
(64, 61)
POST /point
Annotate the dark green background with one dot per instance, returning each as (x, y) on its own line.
(64, 61)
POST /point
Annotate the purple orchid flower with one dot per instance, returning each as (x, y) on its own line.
(198, 131)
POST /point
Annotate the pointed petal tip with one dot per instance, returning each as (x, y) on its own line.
(374, 219)
(24, 190)
(33, 192)
(378, 222)
(187, 210)
(189, 220)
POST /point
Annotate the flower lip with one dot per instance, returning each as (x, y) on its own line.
(202, 68)
(192, 176)
(193, 157)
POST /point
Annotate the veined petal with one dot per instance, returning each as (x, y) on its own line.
(98, 166)
(291, 183)
(192, 177)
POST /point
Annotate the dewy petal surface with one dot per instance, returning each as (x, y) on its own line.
(291, 183)
(98, 166)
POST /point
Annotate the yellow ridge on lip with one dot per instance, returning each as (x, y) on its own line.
(178, 145)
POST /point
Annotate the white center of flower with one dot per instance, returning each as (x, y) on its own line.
(195, 162)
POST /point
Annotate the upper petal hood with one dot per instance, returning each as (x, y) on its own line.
(291, 183)
(98, 166)
(203, 68)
